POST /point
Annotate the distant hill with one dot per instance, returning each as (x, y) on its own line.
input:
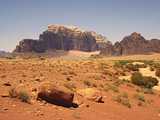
(132, 44)
(5, 54)
(60, 37)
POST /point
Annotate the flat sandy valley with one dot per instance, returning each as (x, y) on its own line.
(76, 74)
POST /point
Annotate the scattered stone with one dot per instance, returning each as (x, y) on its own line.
(99, 99)
(5, 109)
(42, 103)
(7, 84)
(87, 105)
(3, 76)
(39, 113)
(38, 79)
(5, 95)
(34, 90)
(68, 78)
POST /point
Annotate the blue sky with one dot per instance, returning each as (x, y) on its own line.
(113, 18)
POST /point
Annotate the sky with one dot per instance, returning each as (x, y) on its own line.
(114, 19)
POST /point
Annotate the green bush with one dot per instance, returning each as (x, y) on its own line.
(143, 81)
(140, 97)
(132, 67)
(137, 78)
(121, 63)
(150, 82)
(108, 87)
(147, 91)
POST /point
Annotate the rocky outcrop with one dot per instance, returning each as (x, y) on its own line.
(58, 37)
(133, 44)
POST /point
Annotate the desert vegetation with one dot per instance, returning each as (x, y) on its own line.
(91, 82)
(147, 82)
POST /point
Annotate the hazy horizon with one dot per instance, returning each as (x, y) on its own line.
(114, 19)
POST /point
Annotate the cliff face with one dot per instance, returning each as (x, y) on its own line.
(30, 45)
(133, 44)
(59, 37)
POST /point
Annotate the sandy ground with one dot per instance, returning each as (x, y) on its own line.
(31, 72)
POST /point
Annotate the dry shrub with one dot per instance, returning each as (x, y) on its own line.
(143, 81)
(19, 93)
(123, 99)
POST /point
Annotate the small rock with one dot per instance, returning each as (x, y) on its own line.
(41, 114)
(34, 90)
(38, 80)
(68, 78)
(20, 81)
(4, 95)
(42, 104)
(87, 105)
(99, 99)
(7, 84)
(5, 109)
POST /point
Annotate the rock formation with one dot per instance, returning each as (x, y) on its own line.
(133, 44)
(58, 37)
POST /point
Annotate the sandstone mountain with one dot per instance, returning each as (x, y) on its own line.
(133, 44)
(58, 37)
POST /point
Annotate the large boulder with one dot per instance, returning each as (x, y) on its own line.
(58, 37)
(55, 95)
